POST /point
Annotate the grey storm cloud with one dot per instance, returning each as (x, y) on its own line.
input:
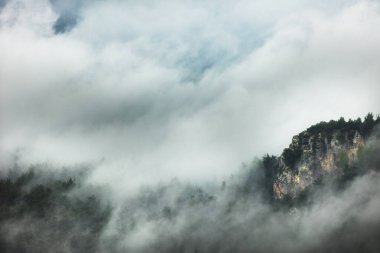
(3, 3)
(69, 14)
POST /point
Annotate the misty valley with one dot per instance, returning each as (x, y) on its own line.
(320, 195)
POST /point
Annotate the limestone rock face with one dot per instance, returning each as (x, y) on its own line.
(328, 152)
(313, 155)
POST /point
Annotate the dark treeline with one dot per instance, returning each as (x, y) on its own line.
(364, 127)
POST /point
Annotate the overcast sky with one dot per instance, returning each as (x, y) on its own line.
(152, 89)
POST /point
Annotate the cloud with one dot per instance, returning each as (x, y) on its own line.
(179, 217)
(234, 217)
(176, 88)
(68, 12)
(152, 90)
(3, 3)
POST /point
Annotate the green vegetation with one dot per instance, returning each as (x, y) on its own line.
(342, 161)
(363, 127)
(291, 156)
(368, 157)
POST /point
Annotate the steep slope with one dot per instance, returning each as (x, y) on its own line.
(332, 149)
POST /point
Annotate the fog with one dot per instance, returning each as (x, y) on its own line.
(233, 215)
(161, 101)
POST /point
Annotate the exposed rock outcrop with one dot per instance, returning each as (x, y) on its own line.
(327, 149)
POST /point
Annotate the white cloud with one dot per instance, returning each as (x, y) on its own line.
(179, 88)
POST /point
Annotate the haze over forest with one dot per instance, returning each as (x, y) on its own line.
(150, 123)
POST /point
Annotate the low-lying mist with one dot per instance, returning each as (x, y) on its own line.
(44, 209)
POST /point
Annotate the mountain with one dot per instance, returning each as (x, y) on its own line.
(320, 195)
(335, 150)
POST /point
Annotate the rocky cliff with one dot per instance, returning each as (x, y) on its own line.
(326, 150)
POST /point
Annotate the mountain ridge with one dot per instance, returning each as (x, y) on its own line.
(331, 148)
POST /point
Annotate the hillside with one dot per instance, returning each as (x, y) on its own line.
(313, 197)
(334, 150)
